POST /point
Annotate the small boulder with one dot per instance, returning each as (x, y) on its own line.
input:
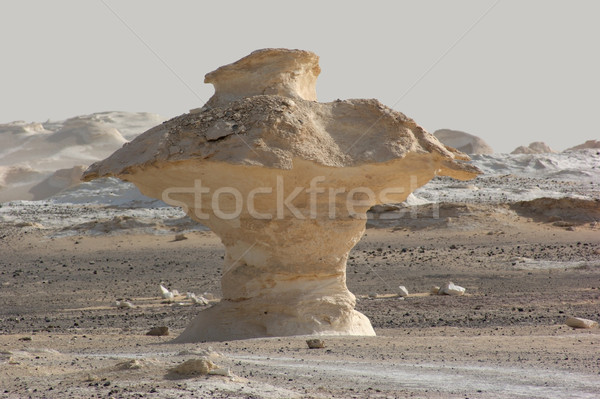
(165, 293)
(434, 290)
(577, 322)
(202, 366)
(195, 367)
(124, 305)
(200, 300)
(158, 331)
(315, 343)
(180, 237)
(451, 289)
(402, 291)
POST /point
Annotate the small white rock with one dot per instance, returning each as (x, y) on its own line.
(451, 289)
(402, 291)
(124, 305)
(434, 290)
(200, 300)
(166, 294)
(224, 371)
(577, 322)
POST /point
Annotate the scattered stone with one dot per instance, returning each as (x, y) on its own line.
(91, 378)
(200, 300)
(402, 291)
(195, 367)
(373, 295)
(451, 289)
(434, 290)
(180, 237)
(315, 343)
(158, 331)
(124, 305)
(25, 339)
(577, 322)
(131, 364)
(166, 294)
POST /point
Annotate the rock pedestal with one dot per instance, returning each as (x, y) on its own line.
(285, 182)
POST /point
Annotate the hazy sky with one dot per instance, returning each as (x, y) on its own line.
(509, 71)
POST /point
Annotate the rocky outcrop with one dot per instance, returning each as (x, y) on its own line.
(464, 142)
(57, 182)
(285, 182)
(537, 147)
(38, 160)
(588, 145)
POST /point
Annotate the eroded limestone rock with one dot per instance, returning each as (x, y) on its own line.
(285, 182)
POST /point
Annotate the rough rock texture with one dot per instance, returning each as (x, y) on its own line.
(285, 182)
(590, 144)
(465, 142)
(537, 147)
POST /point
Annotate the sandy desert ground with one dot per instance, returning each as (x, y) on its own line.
(61, 334)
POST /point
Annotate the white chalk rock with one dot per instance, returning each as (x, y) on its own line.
(165, 293)
(577, 322)
(200, 300)
(222, 371)
(451, 289)
(124, 305)
(258, 166)
(402, 291)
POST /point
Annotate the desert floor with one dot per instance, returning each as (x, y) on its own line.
(61, 334)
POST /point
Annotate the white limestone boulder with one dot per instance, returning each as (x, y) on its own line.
(451, 289)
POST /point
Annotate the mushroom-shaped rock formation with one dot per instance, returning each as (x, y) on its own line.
(285, 182)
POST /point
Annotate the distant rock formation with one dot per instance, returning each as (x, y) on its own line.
(590, 144)
(38, 160)
(537, 147)
(464, 142)
(274, 174)
(57, 182)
